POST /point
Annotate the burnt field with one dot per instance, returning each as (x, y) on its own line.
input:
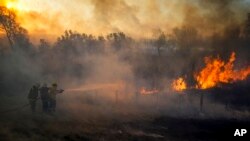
(162, 128)
(90, 116)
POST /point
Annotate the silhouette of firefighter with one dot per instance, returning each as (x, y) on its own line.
(53, 91)
(44, 93)
(32, 96)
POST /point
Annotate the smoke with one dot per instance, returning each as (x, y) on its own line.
(4, 2)
(139, 19)
(215, 16)
(40, 31)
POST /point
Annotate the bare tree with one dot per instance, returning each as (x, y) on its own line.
(247, 27)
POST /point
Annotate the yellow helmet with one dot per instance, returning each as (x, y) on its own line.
(54, 84)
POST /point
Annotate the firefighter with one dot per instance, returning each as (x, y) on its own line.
(44, 93)
(32, 96)
(52, 97)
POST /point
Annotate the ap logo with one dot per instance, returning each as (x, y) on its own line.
(240, 132)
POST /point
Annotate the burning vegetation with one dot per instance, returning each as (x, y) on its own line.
(179, 84)
(144, 91)
(216, 71)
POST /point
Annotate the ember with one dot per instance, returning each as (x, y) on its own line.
(144, 91)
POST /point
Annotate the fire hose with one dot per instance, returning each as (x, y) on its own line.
(21, 107)
(16, 108)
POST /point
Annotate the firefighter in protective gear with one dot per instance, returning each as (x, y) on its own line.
(44, 93)
(52, 97)
(32, 96)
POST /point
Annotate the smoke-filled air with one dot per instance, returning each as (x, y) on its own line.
(73, 70)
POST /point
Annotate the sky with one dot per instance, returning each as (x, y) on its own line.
(136, 18)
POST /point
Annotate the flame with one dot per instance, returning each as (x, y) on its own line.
(217, 71)
(144, 91)
(179, 84)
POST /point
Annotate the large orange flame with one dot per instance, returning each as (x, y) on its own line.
(217, 71)
(179, 84)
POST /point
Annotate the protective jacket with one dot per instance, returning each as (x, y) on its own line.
(52, 92)
(44, 91)
(33, 94)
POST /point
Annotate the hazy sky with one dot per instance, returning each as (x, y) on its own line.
(137, 18)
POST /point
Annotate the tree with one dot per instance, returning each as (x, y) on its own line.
(247, 27)
(185, 37)
(160, 42)
(43, 46)
(16, 35)
(119, 41)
